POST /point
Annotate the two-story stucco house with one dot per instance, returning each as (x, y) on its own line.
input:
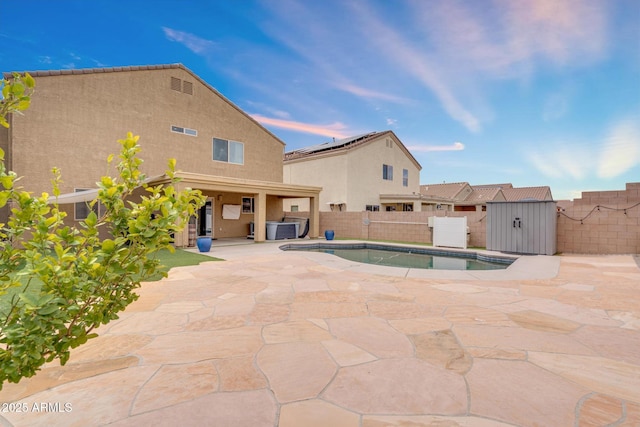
(76, 117)
(374, 171)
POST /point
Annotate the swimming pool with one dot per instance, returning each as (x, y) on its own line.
(407, 257)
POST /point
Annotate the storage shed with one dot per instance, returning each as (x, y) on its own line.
(524, 227)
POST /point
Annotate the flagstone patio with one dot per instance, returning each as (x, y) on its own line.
(273, 338)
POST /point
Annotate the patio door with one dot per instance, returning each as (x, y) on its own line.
(205, 219)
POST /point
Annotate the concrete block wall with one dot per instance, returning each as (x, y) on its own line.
(614, 228)
(602, 222)
(396, 226)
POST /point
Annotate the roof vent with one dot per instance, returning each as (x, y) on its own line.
(176, 84)
(187, 87)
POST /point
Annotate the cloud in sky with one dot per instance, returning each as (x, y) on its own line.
(620, 150)
(555, 107)
(372, 94)
(336, 130)
(194, 43)
(563, 161)
(456, 146)
(417, 63)
(614, 155)
(508, 39)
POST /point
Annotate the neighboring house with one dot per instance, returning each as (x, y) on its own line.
(461, 196)
(444, 196)
(516, 194)
(76, 116)
(374, 171)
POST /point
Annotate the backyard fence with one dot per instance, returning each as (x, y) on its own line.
(603, 222)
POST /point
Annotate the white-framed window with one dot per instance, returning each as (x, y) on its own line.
(248, 205)
(228, 151)
(373, 208)
(82, 209)
(387, 172)
(186, 131)
(405, 177)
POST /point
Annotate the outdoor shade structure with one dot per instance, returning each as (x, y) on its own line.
(525, 227)
(261, 191)
(266, 197)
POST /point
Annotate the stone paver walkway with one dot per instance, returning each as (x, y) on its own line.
(272, 338)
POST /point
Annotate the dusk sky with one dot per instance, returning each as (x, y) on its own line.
(539, 92)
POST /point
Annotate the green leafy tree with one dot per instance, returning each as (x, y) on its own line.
(69, 280)
(16, 95)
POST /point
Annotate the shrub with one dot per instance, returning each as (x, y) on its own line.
(85, 280)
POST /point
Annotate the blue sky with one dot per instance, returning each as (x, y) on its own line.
(539, 92)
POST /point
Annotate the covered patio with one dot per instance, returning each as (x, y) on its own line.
(265, 204)
(233, 204)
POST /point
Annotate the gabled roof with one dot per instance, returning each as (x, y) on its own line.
(443, 191)
(527, 193)
(344, 145)
(498, 186)
(49, 73)
(482, 195)
(329, 146)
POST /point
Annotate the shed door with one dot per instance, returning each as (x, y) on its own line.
(528, 222)
(516, 222)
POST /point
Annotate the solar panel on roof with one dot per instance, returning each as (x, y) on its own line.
(332, 144)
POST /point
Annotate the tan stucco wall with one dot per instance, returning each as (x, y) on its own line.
(75, 120)
(365, 181)
(329, 172)
(353, 176)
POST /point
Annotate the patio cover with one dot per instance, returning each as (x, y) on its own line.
(87, 195)
(259, 189)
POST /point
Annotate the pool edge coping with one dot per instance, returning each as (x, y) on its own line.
(524, 267)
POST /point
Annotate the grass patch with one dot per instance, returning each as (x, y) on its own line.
(168, 260)
(180, 258)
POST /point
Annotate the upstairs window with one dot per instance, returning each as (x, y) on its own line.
(405, 177)
(373, 208)
(228, 151)
(82, 209)
(387, 172)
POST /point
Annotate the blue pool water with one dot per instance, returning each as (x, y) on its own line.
(399, 256)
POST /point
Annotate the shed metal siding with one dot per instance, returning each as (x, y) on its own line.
(527, 227)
